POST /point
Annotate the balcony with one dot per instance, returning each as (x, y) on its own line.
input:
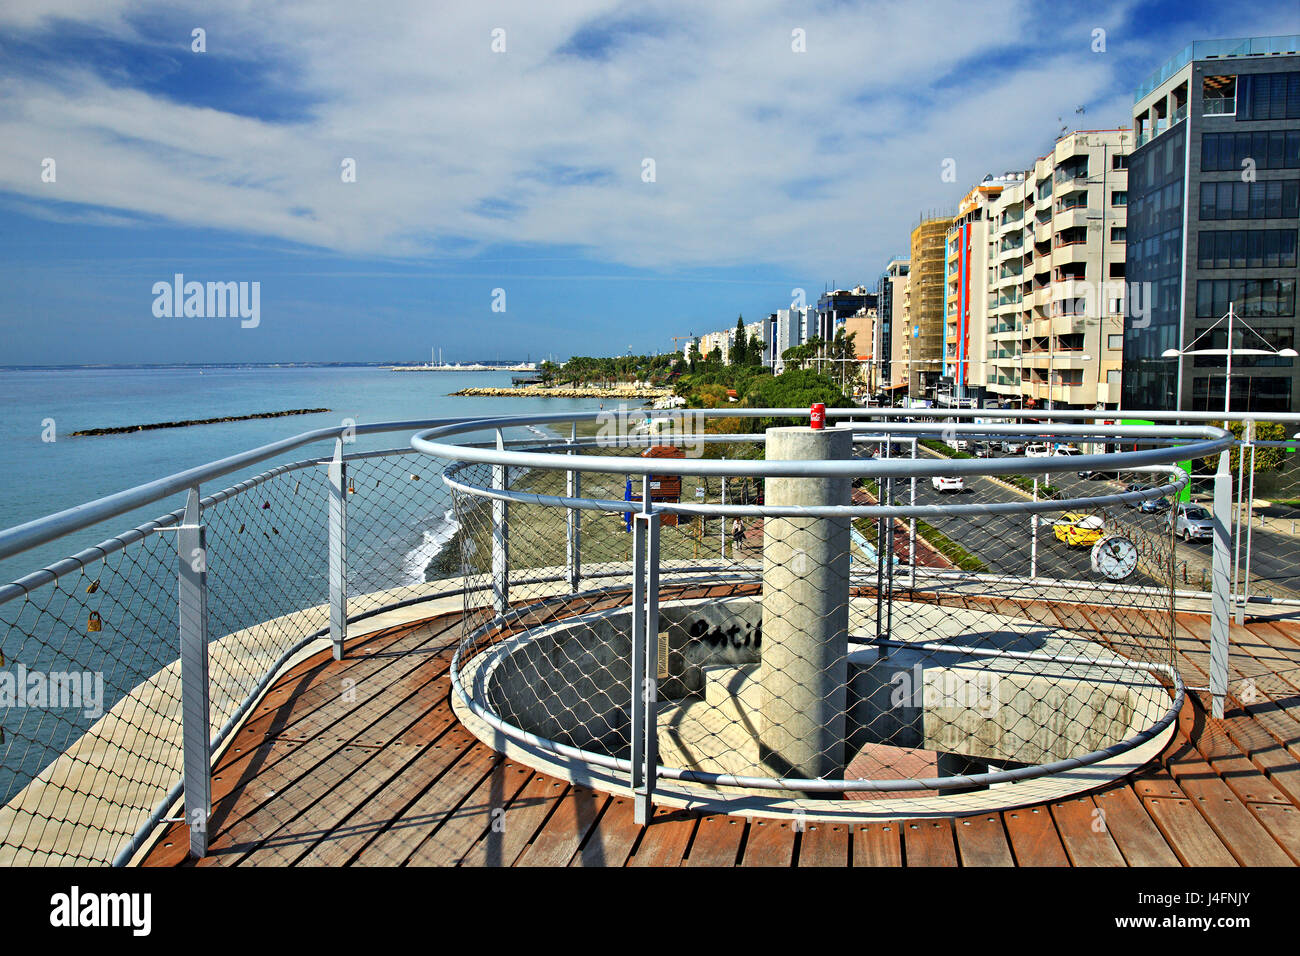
(526, 651)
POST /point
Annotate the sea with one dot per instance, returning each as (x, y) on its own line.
(45, 470)
(41, 476)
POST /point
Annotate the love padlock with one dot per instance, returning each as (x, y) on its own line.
(95, 623)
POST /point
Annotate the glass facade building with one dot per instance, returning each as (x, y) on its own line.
(1214, 222)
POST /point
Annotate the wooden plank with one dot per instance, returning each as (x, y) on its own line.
(824, 844)
(1187, 832)
(769, 843)
(612, 838)
(565, 829)
(402, 822)
(446, 778)
(877, 844)
(1130, 825)
(982, 841)
(1284, 825)
(1265, 753)
(330, 799)
(717, 841)
(277, 792)
(665, 838)
(519, 821)
(929, 843)
(1034, 839)
(475, 816)
(1084, 834)
(1239, 830)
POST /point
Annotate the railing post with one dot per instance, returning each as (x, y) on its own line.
(1221, 594)
(338, 546)
(192, 592)
(1236, 541)
(645, 663)
(1033, 538)
(573, 529)
(500, 538)
(1248, 489)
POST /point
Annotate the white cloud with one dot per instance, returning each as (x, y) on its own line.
(815, 160)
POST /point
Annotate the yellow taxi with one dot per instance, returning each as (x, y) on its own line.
(1077, 529)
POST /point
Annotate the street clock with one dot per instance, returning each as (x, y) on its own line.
(1114, 557)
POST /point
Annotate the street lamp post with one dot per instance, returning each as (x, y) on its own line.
(1223, 496)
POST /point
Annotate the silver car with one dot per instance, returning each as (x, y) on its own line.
(1193, 521)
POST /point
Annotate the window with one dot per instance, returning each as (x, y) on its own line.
(1112, 376)
(1276, 199)
(1219, 95)
(1117, 233)
(1269, 96)
(1232, 152)
(1119, 162)
(1119, 197)
(1115, 340)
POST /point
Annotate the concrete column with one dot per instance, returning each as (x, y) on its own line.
(804, 669)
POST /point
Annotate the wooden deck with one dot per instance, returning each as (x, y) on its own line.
(362, 761)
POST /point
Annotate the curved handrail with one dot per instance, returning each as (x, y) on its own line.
(1212, 440)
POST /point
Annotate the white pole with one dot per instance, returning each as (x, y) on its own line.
(722, 532)
(1033, 539)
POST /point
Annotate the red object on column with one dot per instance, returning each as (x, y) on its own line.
(818, 413)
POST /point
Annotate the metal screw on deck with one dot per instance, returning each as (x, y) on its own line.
(192, 593)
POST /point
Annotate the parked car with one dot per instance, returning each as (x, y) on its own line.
(1066, 451)
(1135, 487)
(1013, 447)
(1099, 475)
(1037, 450)
(1154, 506)
(1077, 529)
(947, 483)
(1193, 521)
(985, 450)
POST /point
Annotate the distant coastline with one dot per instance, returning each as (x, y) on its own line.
(582, 391)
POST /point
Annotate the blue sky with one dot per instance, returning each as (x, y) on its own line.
(519, 170)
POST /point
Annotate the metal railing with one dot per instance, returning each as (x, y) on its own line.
(140, 656)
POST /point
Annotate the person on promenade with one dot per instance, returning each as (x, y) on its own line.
(737, 534)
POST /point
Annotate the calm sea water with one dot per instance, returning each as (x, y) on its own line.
(393, 534)
(39, 477)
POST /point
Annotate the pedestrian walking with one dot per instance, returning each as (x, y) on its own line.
(737, 534)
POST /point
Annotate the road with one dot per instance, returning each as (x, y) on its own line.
(1004, 541)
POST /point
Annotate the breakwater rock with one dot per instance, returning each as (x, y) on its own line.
(124, 429)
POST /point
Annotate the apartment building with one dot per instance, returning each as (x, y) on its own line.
(923, 301)
(1056, 293)
(966, 282)
(892, 334)
(834, 309)
(1214, 213)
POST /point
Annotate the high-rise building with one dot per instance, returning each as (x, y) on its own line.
(892, 334)
(1056, 276)
(923, 304)
(1214, 207)
(965, 311)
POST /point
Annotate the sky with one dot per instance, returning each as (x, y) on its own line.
(511, 180)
